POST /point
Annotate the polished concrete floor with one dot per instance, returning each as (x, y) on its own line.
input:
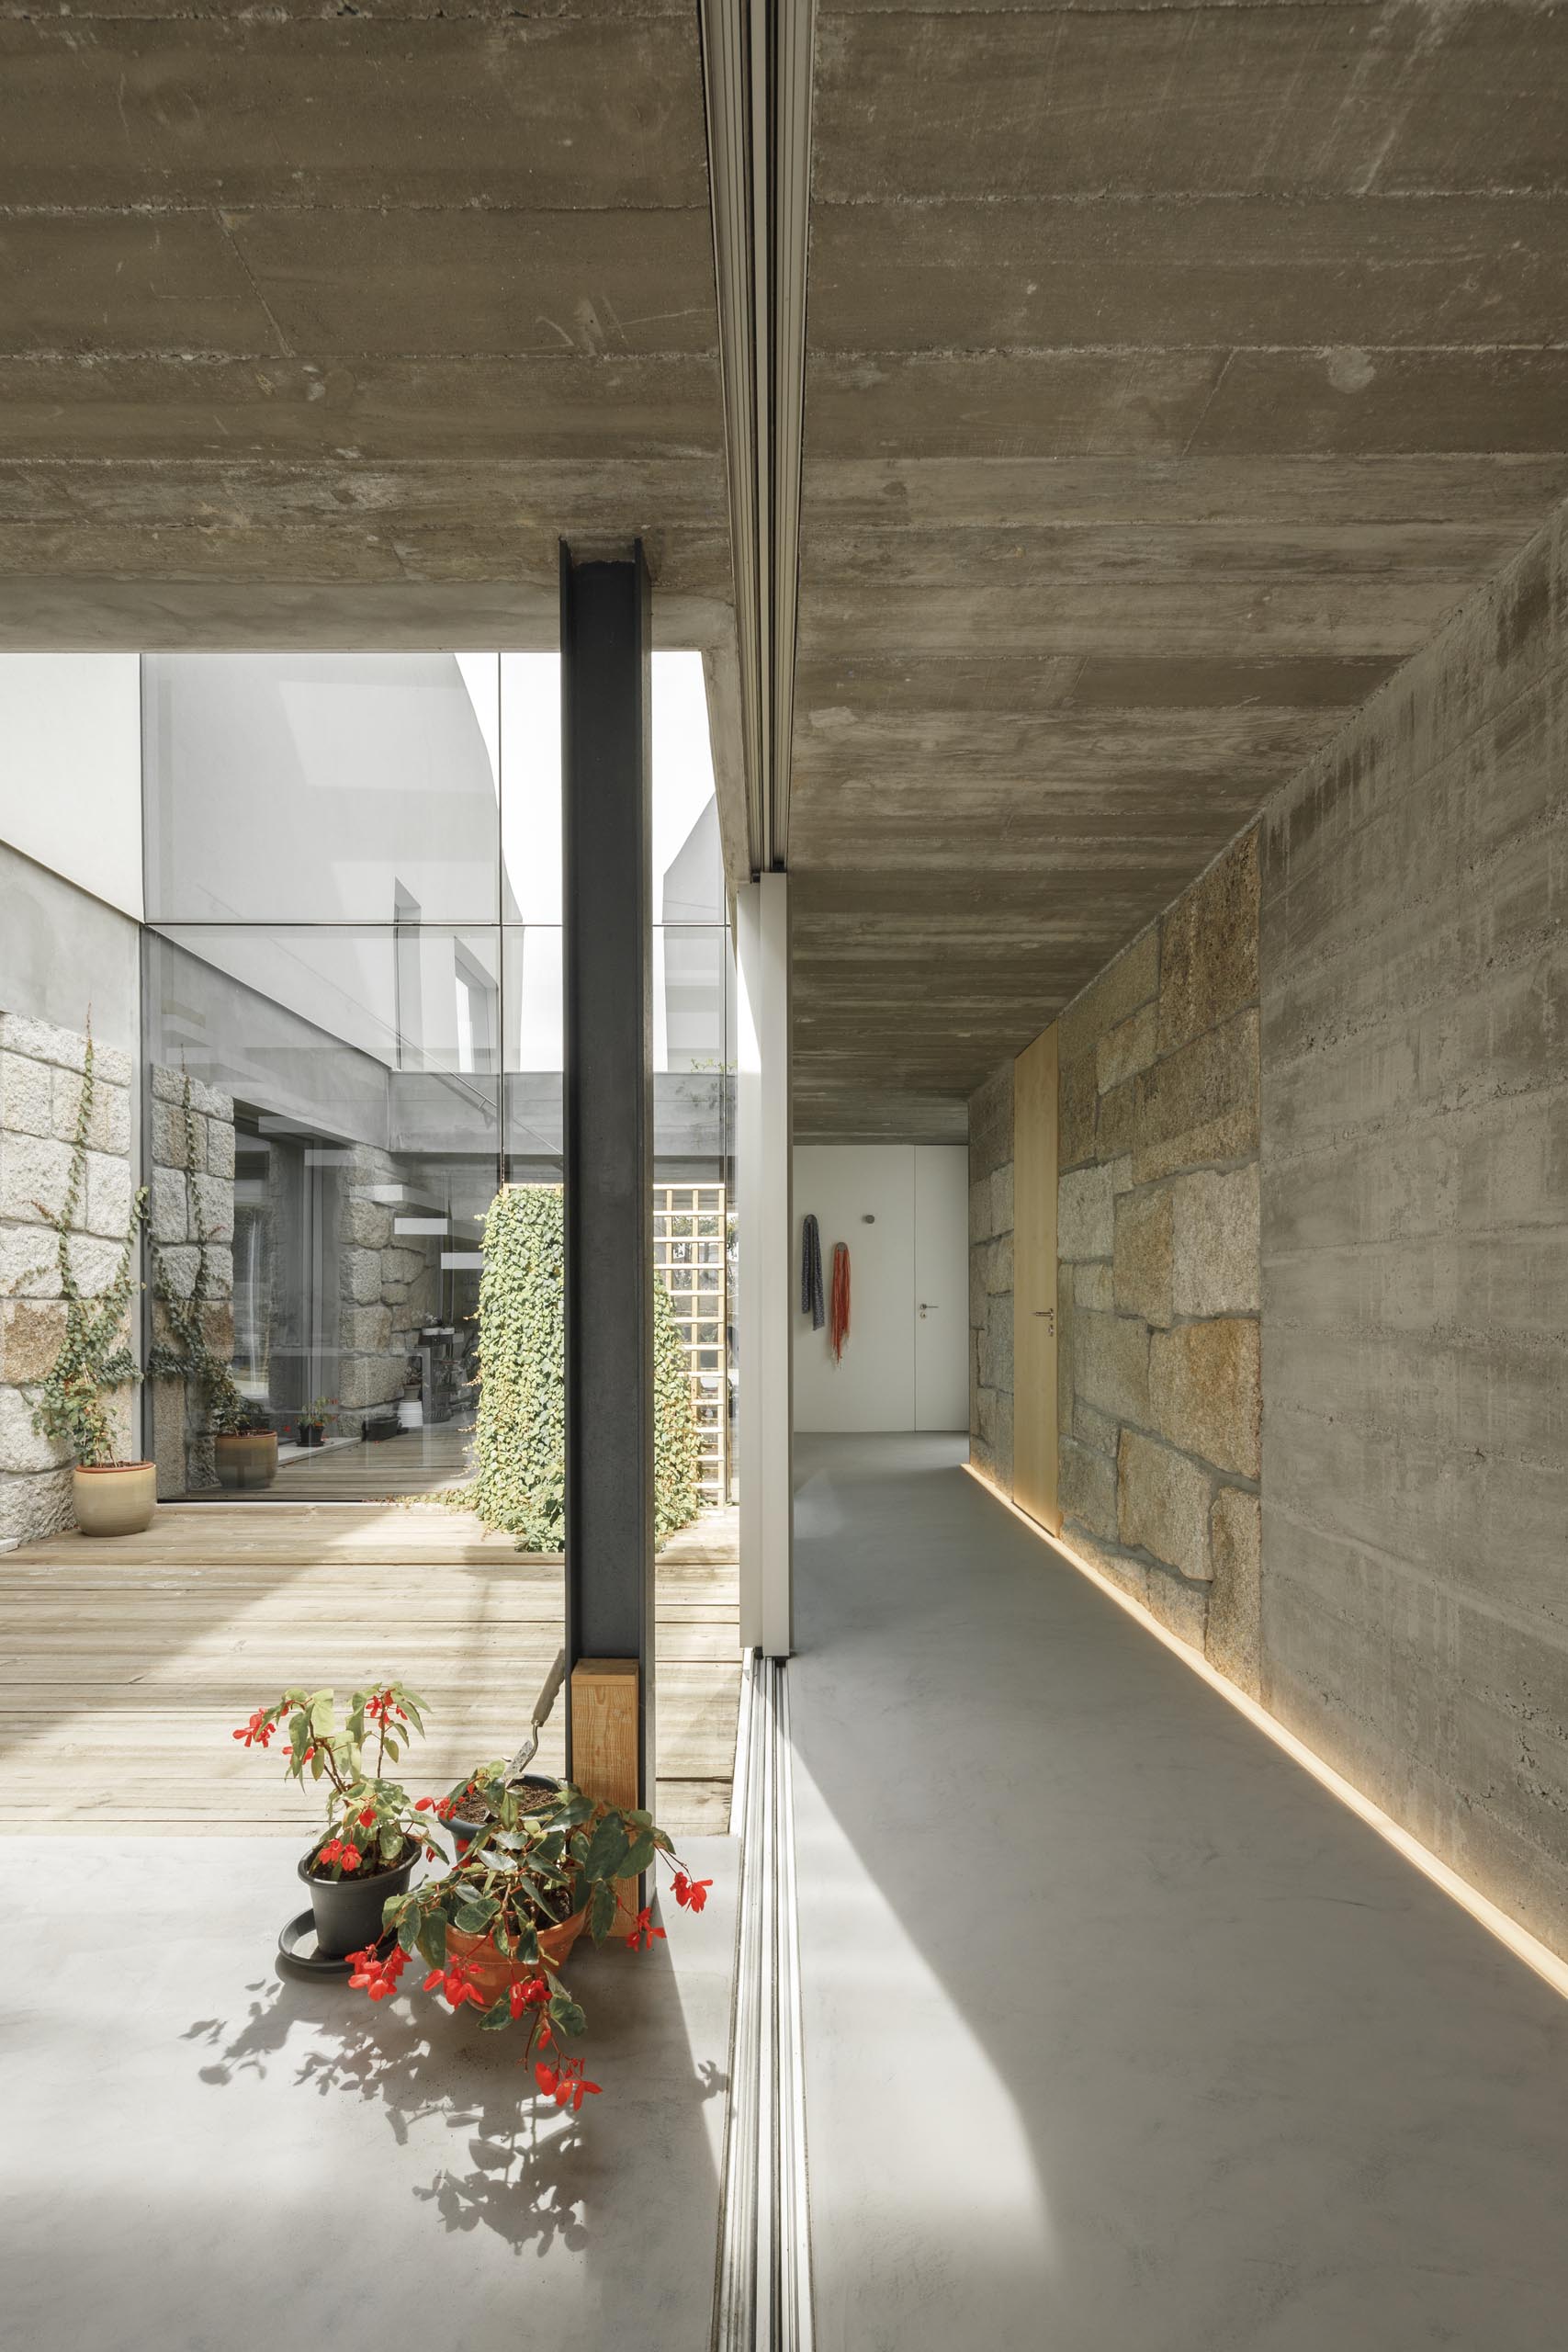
(197, 2154)
(1122, 2035)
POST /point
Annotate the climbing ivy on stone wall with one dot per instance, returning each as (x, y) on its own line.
(519, 1438)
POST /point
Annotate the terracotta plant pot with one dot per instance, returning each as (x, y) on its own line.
(348, 1909)
(492, 1975)
(243, 1462)
(116, 1500)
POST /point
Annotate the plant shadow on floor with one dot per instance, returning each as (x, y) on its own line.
(531, 2173)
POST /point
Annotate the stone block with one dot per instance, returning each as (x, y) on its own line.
(168, 1085)
(1077, 1099)
(1208, 948)
(998, 1264)
(405, 1265)
(33, 1169)
(21, 1447)
(109, 1194)
(109, 1127)
(176, 1267)
(980, 1210)
(1127, 1048)
(168, 1138)
(35, 1507)
(1122, 1177)
(94, 1262)
(1131, 1575)
(1094, 1429)
(1234, 1641)
(27, 1096)
(1117, 1126)
(365, 1223)
(220, 1148)
(1215, 1268)
(977, 1257)
(359, 1276)
(1204, 1392)
(364, 1381)
(1067, 1345)
(367, 1329)
(220, 1269)
(1085, 1215)
(1093, 1286)
(991, 1122)
(41, 1040)
(995, 1357)
(1087, 1488)
(170, 1206)
(1121, 988)
(1001, 1199)
(212, 1207)
(1111, 1365)
(27, 1268)
(1145, 1224)
(1162, 1504)
(31, 1332)
(1003, 1440)
(1181, 1607)
(1200, 1106)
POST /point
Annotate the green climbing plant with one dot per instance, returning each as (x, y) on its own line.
(519, 1480)
(187, 1352)
(94, 1358)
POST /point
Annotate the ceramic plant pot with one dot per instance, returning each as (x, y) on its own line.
(242, 1462)
(348, 1909)
(309, 1436)
(493, 1975)
(118, 1500)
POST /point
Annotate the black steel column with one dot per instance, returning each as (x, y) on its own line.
(607, 835)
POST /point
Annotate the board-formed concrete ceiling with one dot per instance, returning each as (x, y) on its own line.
(322, 325)
(1171, 371)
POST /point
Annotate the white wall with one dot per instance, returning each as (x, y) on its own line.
(874, 1386)
(71, 769)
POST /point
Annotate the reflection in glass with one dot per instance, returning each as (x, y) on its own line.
(328, 1188)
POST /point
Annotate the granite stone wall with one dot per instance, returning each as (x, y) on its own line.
(990, 1278)
(40, 1083)
(190, 1193)
(1158, 1282)
(389, 1284)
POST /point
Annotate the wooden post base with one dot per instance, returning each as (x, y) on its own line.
(604, 1750)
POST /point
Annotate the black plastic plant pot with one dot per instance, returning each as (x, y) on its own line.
(348, 1909)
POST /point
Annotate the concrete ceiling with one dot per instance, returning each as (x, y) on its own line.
(323, 325)
(1171, 372)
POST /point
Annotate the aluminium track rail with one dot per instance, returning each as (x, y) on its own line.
(762, 2293)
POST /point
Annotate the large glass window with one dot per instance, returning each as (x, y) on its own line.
(354, 960)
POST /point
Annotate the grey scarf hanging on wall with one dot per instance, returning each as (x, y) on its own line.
(811, 1300)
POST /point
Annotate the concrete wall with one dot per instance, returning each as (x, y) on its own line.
(990, 1278)
(1313, 1235)
(1157, 1287)
(1415, 1244)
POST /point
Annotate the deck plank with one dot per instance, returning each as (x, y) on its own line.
(125, 1667)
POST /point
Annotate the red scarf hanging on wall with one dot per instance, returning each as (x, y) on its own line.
(838, 1310)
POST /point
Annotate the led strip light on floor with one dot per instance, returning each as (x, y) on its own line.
(762, 2293)
(1520, 1941)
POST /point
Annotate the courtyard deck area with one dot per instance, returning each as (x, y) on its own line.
(128, 1663)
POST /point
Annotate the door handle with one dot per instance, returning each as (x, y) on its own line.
(928, 1306)
(1050, 1314)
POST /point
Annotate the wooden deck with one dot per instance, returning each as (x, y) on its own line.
(124, 1666)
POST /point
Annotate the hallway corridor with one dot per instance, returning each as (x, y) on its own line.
(1122, 2035)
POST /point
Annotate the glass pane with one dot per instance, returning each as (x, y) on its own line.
(322, 787)
(323, 1182)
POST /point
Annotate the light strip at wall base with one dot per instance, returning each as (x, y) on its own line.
(1520, 1941)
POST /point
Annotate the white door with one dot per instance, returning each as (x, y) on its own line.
(941, 1286)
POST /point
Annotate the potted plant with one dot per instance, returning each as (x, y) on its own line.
(244, 1445)
(314, 1419)
(111, 1497)
(497, 1927)
(374, 1834)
